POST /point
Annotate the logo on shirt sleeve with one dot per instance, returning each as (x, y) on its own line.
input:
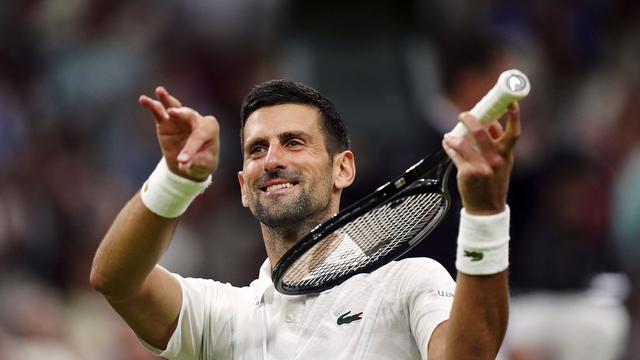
(444, 293)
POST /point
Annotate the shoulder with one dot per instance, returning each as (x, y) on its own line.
(419, 265)
(416, 274)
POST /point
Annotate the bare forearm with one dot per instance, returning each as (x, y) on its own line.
(130, 249)
(479, 317)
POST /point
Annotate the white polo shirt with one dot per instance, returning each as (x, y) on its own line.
(387, 314)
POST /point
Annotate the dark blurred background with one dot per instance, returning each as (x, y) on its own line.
(75, 145)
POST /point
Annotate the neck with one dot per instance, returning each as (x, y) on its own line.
(278, 241)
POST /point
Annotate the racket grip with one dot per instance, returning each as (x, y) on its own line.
(512, 85)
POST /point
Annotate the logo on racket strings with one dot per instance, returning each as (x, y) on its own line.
(474, 255)
(346, 318)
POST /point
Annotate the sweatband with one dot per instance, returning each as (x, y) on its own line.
(483, 243)
(169, 195)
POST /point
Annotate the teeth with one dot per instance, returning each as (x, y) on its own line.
(279, 186)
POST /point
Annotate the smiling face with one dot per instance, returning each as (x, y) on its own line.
(288, 176)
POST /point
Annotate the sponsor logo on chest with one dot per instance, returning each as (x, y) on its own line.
(347, 319)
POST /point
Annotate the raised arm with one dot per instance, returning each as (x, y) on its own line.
(125, 266)
(480, 312)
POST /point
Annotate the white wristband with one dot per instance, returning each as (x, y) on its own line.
(483, 243)
(169, 195)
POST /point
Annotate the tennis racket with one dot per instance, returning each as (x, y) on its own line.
(387, 223)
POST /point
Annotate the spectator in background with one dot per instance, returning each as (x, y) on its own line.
(625, 203)
(564, 307)
(626, 227)
(35, 321)
(566, 241)
(469, 64)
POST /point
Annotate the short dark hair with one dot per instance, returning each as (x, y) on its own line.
(277, 92)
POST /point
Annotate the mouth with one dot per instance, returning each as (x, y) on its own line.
(278, 187)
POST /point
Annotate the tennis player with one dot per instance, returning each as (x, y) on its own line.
(297, 161)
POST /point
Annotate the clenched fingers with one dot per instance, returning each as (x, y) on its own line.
(484, 142)
(467, 157)
(495, 130)
(201, 164)
(478, 132)
(204, 135)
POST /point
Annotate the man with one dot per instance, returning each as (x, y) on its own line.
(296, 163)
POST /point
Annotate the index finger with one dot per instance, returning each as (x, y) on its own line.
(167, 99)
(155, 107)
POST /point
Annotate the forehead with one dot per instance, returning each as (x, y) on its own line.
(277, 119)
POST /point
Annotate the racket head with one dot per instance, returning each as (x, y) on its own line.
(370, 233)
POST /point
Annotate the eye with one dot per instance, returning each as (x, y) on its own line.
(294, 143)
(256, 150)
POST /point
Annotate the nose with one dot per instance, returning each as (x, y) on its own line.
(274, 159)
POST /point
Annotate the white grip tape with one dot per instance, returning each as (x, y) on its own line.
(483, 243)
(512, 85)
(169, 195)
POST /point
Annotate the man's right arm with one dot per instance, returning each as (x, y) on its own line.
(124, 270)
(125, 266)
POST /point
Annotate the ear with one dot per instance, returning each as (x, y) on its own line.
(243, 189)
(344, 169)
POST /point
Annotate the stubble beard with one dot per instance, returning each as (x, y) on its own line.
(302, 212)
(287, 218)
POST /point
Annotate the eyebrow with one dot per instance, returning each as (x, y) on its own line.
(290, 135)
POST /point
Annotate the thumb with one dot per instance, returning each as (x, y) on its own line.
(204, 134)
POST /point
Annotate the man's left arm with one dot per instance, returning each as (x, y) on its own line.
(480, 311)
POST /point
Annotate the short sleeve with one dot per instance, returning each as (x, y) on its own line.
(196, 320)
(429, 296)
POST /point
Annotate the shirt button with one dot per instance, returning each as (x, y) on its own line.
(289, 318)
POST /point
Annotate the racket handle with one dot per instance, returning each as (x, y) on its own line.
(512, 85)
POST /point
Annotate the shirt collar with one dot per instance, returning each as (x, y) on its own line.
(263, 282)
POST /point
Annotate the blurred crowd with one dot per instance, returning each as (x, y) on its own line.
(75, 145)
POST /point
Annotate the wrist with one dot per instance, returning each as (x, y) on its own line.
(484, 212)
(483, 243)
(169, 195)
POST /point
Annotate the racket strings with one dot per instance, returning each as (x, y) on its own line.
(366, 239)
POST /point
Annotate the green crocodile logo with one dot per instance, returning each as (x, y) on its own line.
(346, 318)
(474, 255)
